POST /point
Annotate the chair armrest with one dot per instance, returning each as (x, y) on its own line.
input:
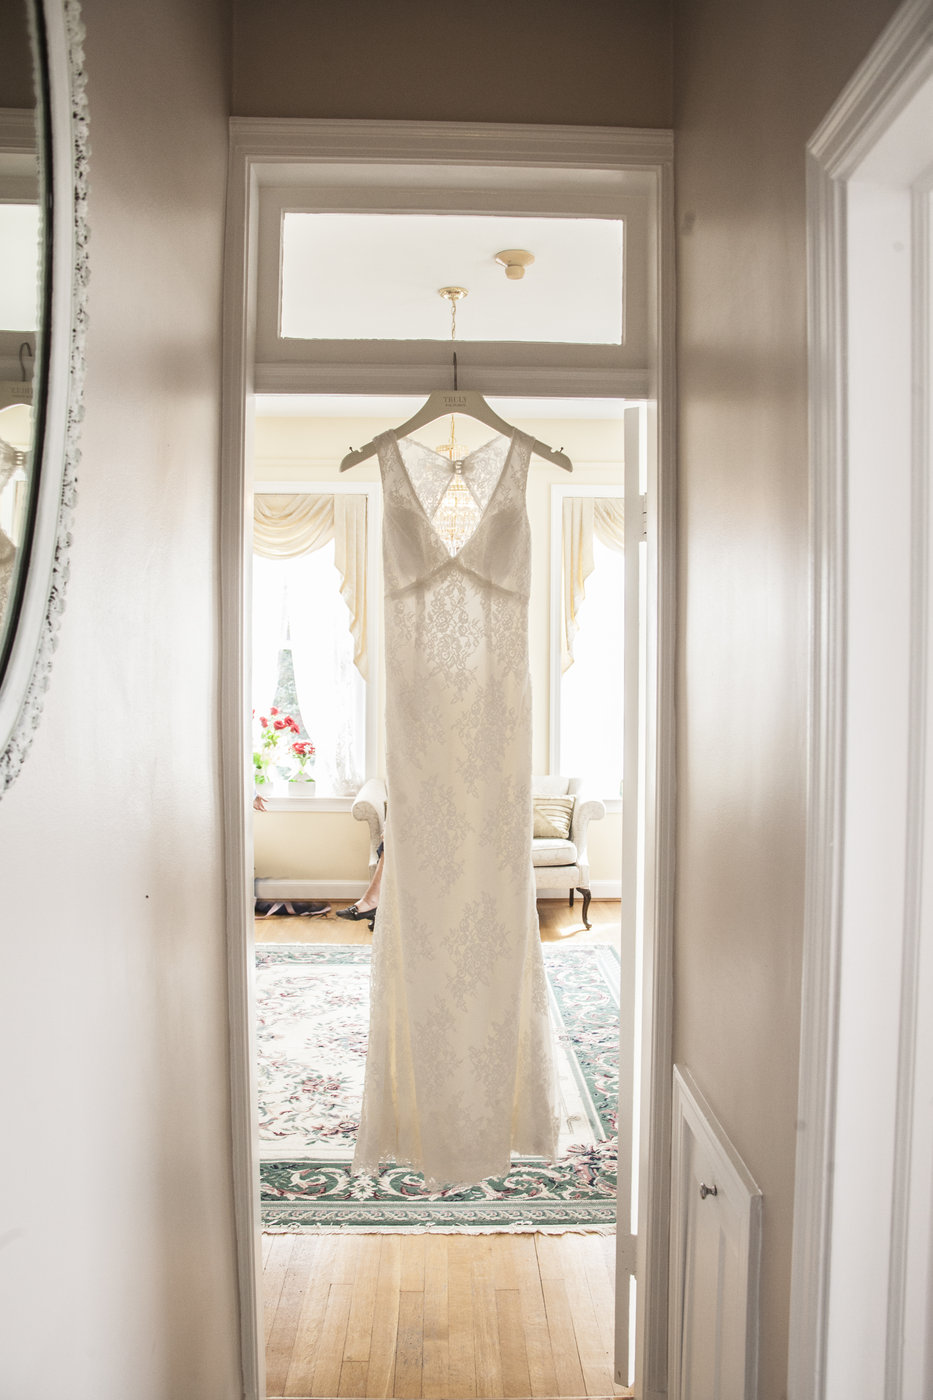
(585, 810)
(370, 806)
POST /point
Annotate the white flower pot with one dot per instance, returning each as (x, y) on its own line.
(301, 787)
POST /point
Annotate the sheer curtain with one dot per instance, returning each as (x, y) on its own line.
(268, 630)
(584, 518)
(330, 690)
(288, 527)
(591, 690)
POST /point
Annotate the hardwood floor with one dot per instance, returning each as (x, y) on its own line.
(444, 1316)
(447, 1316)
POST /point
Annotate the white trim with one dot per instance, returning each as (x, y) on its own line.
(631, 909)
(316, 141)
(913, 1073)
(258, 148)
(899, 63)
(820, 976)
(308, 804)
(498, 381)
(273, 887)
(237, 786)
(438, 176)
(657, 977)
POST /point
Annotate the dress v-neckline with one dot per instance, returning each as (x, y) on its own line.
(439, 457)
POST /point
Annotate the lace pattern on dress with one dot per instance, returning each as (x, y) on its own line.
(460, 1067)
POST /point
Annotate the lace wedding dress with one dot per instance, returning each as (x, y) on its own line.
(459, 1070)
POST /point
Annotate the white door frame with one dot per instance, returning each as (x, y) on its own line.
(869, 249)
(256, 147)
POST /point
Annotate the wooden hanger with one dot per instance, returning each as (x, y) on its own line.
(447, 401)
(442, 402)
(439, 404)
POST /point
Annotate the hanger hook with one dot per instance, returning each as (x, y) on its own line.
(453, 295)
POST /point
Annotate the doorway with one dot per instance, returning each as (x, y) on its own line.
(259, 155)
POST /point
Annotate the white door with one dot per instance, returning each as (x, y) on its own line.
(633, 907)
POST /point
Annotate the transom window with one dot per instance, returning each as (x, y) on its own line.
(356, 276)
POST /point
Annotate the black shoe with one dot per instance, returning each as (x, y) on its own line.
(352, 911)
(266, 908)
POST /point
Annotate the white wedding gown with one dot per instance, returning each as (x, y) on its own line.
(459, 1069)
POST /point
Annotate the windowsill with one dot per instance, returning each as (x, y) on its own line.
(308, 804)
(612, 804)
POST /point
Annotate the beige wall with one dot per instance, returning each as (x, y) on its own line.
(332, 846)
(117, 1275)
(751, 83)
(590, 62)
(294, 449)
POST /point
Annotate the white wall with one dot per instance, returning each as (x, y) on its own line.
(117, 1262)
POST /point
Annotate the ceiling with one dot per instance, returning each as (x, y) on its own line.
(368, 276)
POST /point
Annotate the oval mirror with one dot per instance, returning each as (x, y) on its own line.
(43, 155)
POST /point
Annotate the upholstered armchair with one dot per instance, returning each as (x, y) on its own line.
(560, 862)
(369, 805)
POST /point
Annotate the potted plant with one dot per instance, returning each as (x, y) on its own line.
(301, 782)
(267, 733)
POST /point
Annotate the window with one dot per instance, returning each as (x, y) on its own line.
(591, 689)
(587, 662)
(306, 661)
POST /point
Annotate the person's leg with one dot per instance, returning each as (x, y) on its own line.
(368, 902)
(370, 899)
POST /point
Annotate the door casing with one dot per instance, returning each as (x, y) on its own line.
(265, 151)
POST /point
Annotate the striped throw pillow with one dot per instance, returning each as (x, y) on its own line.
(553, 816)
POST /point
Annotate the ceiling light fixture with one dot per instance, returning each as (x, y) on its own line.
(515, 260)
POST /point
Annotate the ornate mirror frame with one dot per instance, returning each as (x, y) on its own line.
(25, 676)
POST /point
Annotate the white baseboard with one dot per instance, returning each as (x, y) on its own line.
(274, 887)
(599, 889)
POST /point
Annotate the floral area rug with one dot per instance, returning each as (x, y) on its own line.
(313, 1018)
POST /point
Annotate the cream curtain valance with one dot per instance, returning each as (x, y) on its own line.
(609, 522)
(285, 527)
(583, 518)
